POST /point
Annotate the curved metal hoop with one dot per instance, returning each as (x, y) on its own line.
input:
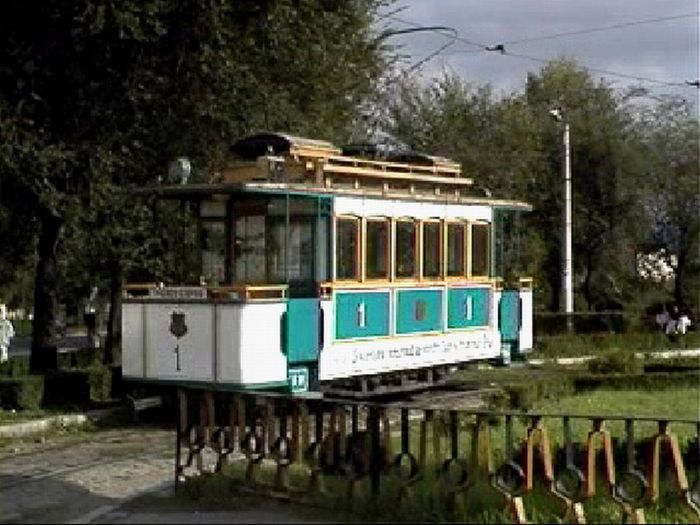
(355, 458)
(405, 472)
(281, 451)
(447, 470)
(313, 456)
(569, 483)
(252, 447)
(631, 488)
(509, 479)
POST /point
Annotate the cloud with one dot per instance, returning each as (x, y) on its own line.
(666, 50)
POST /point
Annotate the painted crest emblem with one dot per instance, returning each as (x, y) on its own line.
(178, 327)
(419, 313)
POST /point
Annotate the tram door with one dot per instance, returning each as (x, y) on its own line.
(509, 322)
(302, 333)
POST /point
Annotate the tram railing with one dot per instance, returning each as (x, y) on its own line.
(571, 457)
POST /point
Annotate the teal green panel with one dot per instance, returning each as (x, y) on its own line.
(419, 311)
(301, 330)
(361, 314)
(468, 307)
(509, 315)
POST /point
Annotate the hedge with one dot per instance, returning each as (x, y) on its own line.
(23, 393)
(15, 367)
(78, 387)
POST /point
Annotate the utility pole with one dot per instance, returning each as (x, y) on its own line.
(567, 289)
(567, 276)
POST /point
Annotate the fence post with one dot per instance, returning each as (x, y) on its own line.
(375, 464)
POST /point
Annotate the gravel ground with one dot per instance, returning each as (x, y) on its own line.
(115, 476)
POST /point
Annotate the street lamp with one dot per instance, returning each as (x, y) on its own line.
(567, 294)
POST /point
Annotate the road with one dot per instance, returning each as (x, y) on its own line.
(20, 345)
(117, 475)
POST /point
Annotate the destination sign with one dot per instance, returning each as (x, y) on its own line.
(178, 292)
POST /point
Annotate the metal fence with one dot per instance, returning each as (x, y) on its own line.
(444, 452)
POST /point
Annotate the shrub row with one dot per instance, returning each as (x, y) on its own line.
(78, 387)
(575, 345)
(525, 394)
(24, 393)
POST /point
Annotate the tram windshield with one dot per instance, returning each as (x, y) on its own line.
(280, 240)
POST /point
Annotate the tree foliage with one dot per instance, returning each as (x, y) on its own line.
(97, 96)
(634, 171)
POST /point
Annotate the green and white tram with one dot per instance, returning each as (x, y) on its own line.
(321, 270)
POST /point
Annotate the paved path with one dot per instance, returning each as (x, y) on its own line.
(115, 476)
(666, 354)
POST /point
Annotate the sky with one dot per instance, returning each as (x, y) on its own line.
(662, 50)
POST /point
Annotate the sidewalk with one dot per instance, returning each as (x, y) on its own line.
(666, 354)
(36, 426)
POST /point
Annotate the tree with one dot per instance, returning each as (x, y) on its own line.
(510, 145)
(668, 134)
(97, 95)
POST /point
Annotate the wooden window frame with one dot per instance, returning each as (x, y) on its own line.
(417, 257)
(441, 247)
(487, 276)
(358, 250)
(389, 250)
(465, 249)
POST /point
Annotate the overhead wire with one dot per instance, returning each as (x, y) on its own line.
(500, 47)
(602, 28)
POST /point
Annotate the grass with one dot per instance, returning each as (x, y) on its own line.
(578, 345)
(8, 417)
(428, 498)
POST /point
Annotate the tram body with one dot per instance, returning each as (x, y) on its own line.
(320, 268)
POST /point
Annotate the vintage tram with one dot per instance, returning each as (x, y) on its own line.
(325, 269)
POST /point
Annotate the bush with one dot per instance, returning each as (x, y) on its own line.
(615, 363)
(655, 381)
(81, 358)
(525, 394)
(15, 367)
(79, 386)
(24, 393)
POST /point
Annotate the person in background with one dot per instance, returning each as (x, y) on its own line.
(683, 323)
(672, 324)
(7, 332)
(662, 318)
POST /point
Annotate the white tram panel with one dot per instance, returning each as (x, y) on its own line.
(250, 336)
(133, 356)
(230, 343)
(525, 339)
(189, 355)
(357, 358)
(374, 207)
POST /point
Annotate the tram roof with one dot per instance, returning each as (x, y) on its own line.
(199, 191)
(254, 146)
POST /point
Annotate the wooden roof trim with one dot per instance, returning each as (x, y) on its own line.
(453, 169)
(350, 171)
(181, 190)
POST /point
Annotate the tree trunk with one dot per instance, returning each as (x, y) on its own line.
(679, 291)
(44, 352)
(587, 282)
(115, 288)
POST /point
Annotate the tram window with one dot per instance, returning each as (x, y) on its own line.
(377, 249)
(432, 250)
(213, 251)
(456, 249)
(249, 251)
(347, 248)
(405, 249)
(300, 253)
(480, 250)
